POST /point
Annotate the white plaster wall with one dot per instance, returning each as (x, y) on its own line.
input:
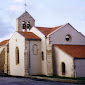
(35, 59)
(19, 69)
(80, 67)
(59, 57)
(43, 48)
(58, 37)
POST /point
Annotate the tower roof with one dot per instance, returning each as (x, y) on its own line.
(24, 14)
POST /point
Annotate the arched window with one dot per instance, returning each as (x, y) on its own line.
(17, 55)
(42, 54)
(35, 49)
(63, 68)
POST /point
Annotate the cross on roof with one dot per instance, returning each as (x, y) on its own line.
(25, 5)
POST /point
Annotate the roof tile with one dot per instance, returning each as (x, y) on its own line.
(4, 42)
(46, 30)
(76, 51)
(29, 35)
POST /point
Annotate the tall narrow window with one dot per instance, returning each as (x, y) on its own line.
(17, 55)
(63, 68)
(42, 54)
(35, 49)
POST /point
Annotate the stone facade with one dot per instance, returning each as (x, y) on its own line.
(4, 52)
(26, 61)
(26, 17)
(2, 60)
(49, 58)
(49, 62)
(6, 65)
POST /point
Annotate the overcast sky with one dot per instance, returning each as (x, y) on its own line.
(48, 13)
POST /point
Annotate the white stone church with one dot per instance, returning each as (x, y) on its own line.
(58, 51)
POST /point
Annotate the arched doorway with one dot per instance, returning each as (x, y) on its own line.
(63, 68)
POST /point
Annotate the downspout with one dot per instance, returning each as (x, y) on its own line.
(29, 57)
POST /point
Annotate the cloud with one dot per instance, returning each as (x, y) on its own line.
(19, 0)
(8, 19)
(5, 29)
(14, 8)
(43, 11)
(6, 37)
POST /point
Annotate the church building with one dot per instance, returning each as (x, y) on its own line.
(54, 51)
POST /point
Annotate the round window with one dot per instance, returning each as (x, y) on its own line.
(68, 37)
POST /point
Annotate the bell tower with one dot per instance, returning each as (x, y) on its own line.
(24, 22)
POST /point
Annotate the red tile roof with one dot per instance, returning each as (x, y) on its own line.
(29, 35)
(4, 42)
(46, 30)
(76, 51)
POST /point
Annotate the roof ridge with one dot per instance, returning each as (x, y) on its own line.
(49, 27)
(47, 30)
